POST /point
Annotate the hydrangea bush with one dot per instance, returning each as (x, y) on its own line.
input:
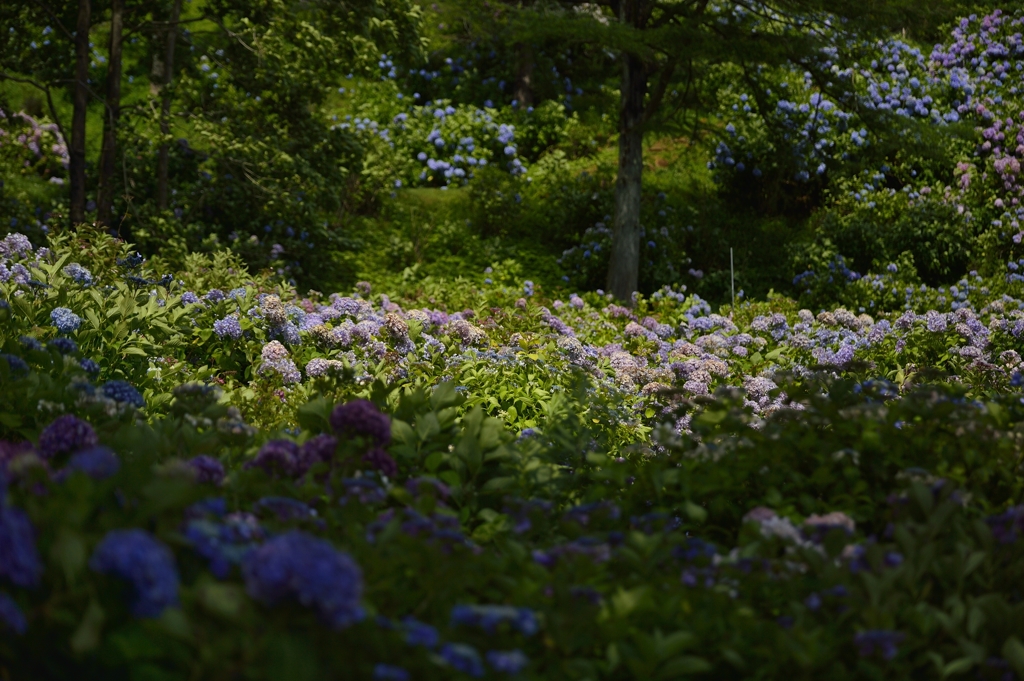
(483, 480)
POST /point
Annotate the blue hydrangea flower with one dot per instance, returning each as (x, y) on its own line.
(189, 298)
(30, 343)
(224, 543)
(123, 391)
(389, 672)
(881, 642)
(507, 661)
(78, 274)
(420, 633)
(97, 462)
(229, 327)
(137, 557)
(463, 658)
(16, 365)
(65, 320)
(488, 617)
(11, 616)
(300, 567)
(19, 560)
(64, 346)
(90, 366)
(67, 434)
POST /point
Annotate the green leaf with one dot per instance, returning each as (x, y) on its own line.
(957, 667)
(1013, 651)
(682, 665)
(87, 635)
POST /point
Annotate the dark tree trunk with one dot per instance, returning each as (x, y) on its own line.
(108, 154)
(163, 154)
(76, 169)
(624, 264)
(524, 75)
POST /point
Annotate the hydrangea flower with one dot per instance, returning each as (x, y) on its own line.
(279, 457)
(65, 320)
(67, 434)
(89, 366)
(79, 274)
(97, 462)
(11, 616)
(275, 360)
(488, 617)
(318, 449)
(297, 566)
(137, 557)
(16, 365)
(463, 658)
(124, 392)
(19, 560)
(224, 543)
(389, 672)
(228, 327)
(507, 661)
(64, 346)
(208, 470)
(362, 418)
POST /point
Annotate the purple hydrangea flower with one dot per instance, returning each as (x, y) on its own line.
(189, 298)
(11, 615)
(137, 557)
(208, 470)
(279, 457)
(300, 567)
(65, 435)
(318, 448)
(362, 418)
(382, 461)
(78, 274)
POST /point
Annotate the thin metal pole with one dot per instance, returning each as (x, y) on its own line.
(732, 277)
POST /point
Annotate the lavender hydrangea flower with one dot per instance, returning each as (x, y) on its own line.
(228, 327)
(124, 392)
(189, 298)
(97, 462)
(65, 435)
(275, 359)
(208, 470)
(300, 567)
(362, 418)
(65, 320)
(137, 557)
(19, 560)
(11, 615)
(214, 295)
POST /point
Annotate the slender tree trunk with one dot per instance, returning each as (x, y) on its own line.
(76, 153)
(163, 155)
(108, 154)
(524, 75)
(624, 265)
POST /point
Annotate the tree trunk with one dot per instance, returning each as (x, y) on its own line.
(76, 169)
(108, 154)
(163, 155)
(524, 75)
(624, 264)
